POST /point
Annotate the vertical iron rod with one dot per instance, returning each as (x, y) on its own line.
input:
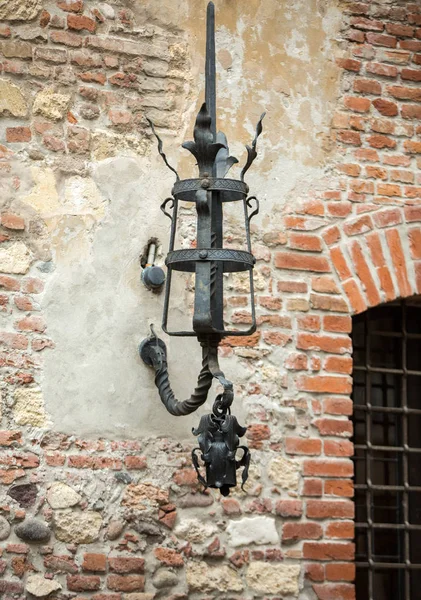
(217, 289)
(210, 69)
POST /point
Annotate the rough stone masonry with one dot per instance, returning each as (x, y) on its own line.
(98, 498)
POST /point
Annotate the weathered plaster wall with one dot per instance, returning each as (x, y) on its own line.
(100, 219)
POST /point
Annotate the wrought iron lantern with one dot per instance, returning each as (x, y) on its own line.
(219, 432)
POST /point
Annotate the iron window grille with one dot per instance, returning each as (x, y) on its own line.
(387, 459)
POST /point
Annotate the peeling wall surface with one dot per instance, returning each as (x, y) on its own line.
(98, 498)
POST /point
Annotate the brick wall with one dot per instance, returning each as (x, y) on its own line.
(114, 518)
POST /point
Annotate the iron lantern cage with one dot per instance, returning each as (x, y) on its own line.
(219, 432)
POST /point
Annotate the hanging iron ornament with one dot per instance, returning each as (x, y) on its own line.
(218, 433)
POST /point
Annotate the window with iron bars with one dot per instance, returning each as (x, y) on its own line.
(387, 459)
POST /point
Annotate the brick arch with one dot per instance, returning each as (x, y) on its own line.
(377, 256)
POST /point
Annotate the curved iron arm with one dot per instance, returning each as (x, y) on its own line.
(154, 353)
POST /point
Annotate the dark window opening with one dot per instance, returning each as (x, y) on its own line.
(387, 459)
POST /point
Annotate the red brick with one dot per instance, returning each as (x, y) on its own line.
(65, 37)
(135, 462)
(381, 69)
(296, 362)
(315, 572)
(94, 562)
(396, 160)
(343, 591)
(337, 427)
(247, 341)
(412, 147)
(309, 323)
(339, 209)
(71, 5)
(18, 134)
(358, 226)
(342, 448)
(381, 141)
(313, 487)
(412, 191)
(32, 285)
(94, 462)
(293, 532)
(399, 261)
(340, 572)
(385, 218)
(349, 64)
(307, 446)
(44, 18)
(350, 169)
(169, 557)
(329, 303)
(324, 383)
(31, 324)
(270, 302)
(126, 583)
(386, 107)
(55, 459)
(13, 340)
(324, 284)
(335, 345)
(126, 564)
(9, 283)
(301, 262)
(292, 287)
(336, 323)
(302, 241)
(8, 438)
(80, 23)
(258, 432)
(412, 45)
(405, 93)
(83, 583)
(367, 24)
(376, 172)
(340, 530)
(354, 35)
(60, 563)
(349, 137)
(367, 86)
(376, 252)
(276, 338)
(328, 550)
(339, 262)
(289, 508)
(399, 30)
(379, 39)
(11, 587)
(328, 468)
(339, 487)
(338, 364)
(357, 104)
(354, 295)
(415, 243)
(412, 213)
(411, 74)
(327, 509)
(337, 406)
(364, 273)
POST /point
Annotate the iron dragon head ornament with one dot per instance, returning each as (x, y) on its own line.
(219, 432)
